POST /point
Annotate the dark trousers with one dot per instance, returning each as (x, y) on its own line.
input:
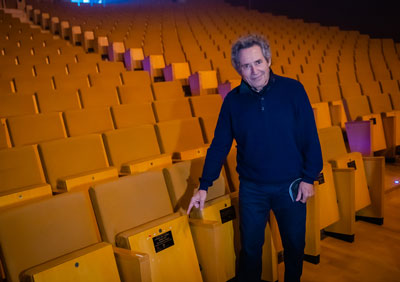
(255, 203)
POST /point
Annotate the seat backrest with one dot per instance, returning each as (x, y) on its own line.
(14, 105)
(130, 144)
(136, 78)
(172, 109)
(351, 89)
(20, 167)
(356, 107)
(132, 115)
(168, 90)
(33, 129)
(330, 92)
(58, 101)
(129, 202)
(380, 103)
(99, 96)
(206, 105)
(86, 121)
(138, 93)
(179, 135)
(71, 156)
(208, 124)
(181, 179)
(37, 232)
(332, 142)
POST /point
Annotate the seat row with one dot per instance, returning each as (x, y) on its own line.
(131, 229)
(30, 127)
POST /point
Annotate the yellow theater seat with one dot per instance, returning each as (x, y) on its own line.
(99, 96)
(177, 72)
(135, 94)
(134, 212)
(208, 124)
(136, 78)
(365, 168)
(181, 138)
(76, 162)
(32, 85)
(203, 82)
(33, 129)
(71, 82)
(154, 65)
(205, 105)
(322, 211)
(322, 114)
(87, 121)
(210, 227)
(82, 68)
(134, 149)
(132, 114)
(58, 101)
(168, 90)
(380, 104)
(55, 239)
(14, 105)
(49, 70)
(22, 177)
(172, 109)
(105, 80)
(357, 107)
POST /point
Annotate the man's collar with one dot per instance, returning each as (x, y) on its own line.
(245, 87)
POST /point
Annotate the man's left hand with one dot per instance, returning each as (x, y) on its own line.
(306, 190)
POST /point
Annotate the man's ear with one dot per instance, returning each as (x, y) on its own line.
(269, 62)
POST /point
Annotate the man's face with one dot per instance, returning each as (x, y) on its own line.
(254, 67)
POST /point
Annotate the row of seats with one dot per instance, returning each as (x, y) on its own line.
(141, 145)
(35, 128)
(123, 233)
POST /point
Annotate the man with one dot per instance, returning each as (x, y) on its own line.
(271, 119)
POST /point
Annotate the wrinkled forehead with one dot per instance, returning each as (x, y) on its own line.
(250, 55)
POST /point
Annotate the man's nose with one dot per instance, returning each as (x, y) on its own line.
(253, 69)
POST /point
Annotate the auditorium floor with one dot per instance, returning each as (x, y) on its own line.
(374, 256)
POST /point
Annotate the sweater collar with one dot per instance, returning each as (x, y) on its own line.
(245, 87)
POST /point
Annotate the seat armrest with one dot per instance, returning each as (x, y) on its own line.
(132, 266)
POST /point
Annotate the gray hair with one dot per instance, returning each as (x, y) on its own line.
(248, 41)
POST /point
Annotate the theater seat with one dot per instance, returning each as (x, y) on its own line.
(76, 162)
(357, 108)
(33, 129)
(205, 105)
(65, 232)
(14, 105)
(168, 90)
(181, 138)
(210, 227)
(132, 114)
(87, 121)
(134, 149)
(203, 82)
(172, 109)
(368, 194)
(22, 177)
(135, 213)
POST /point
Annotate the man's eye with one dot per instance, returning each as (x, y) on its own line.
(245, 66)
(258, 62)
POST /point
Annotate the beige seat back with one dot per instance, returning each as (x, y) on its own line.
(129, 202)
(182, 179)
(34, 233)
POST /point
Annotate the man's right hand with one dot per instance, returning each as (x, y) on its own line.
(198, 200)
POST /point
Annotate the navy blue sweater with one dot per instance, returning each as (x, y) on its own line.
(275, 132)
